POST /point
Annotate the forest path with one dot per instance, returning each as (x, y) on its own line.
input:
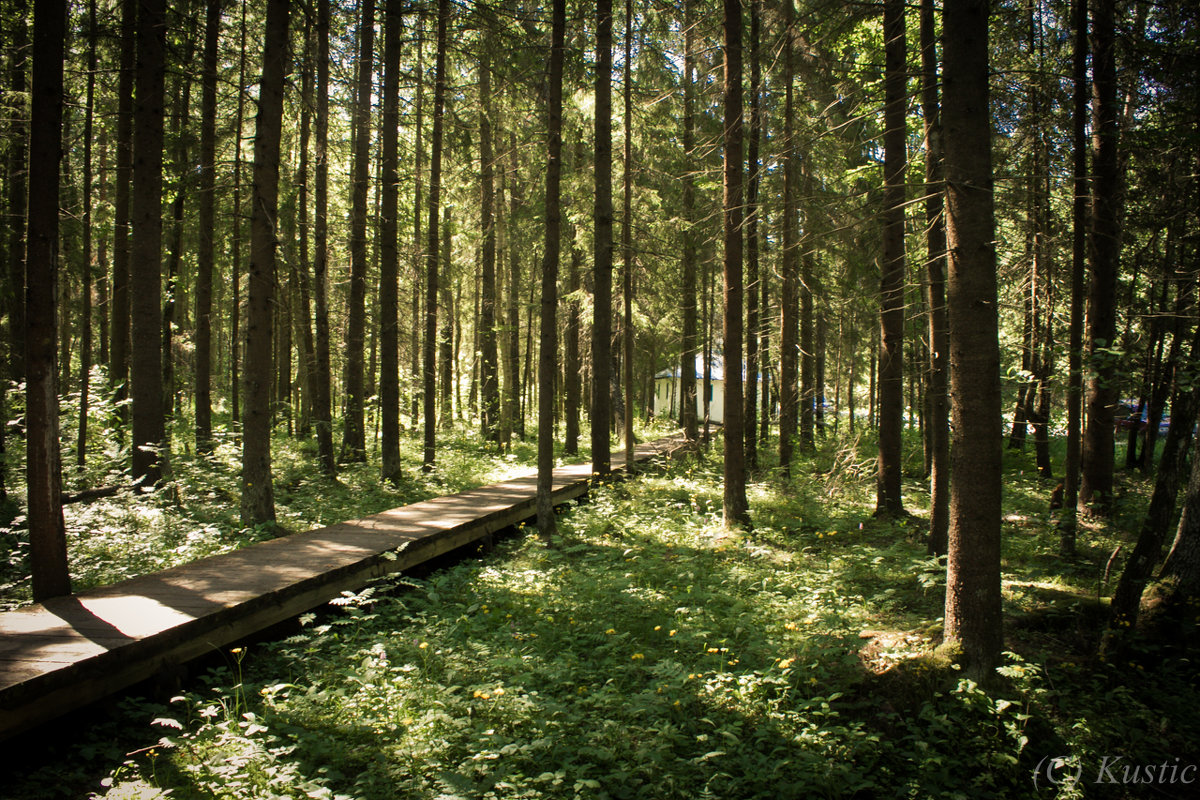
(60, 655)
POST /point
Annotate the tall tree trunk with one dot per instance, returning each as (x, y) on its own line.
(118, 363)
(935, 273)
(207, 198)
(488, 364)
(258, 503)
(891, 285)
(43, 469)
(1079, 214)
(145, 276)
(973, 615)
(736, 509)
(511, 410)
(808, 363)
(431, 253)
(389, 249)
(235, 269)
(789, 290)
(752, 266)
(322, 402)
(627, 241)
(1096, 485)
(354, 431)
(18, 188)
(603, 246)
(89, 264)
(548, 355)
(689, 348)
(416, 378)
(446, 334)
(182, 168)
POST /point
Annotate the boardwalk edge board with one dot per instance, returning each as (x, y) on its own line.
(59, 656)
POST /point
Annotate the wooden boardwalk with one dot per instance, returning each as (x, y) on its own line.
(69, 651)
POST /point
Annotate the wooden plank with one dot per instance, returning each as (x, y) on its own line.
(62, 654)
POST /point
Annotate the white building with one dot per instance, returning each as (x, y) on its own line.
(668, 390)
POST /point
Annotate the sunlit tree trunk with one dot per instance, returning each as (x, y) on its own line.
(389, 249)
(935, 273)
(431, 253)
(891, 287)
(548, 355)
(204, 254)
(258, 502)
(973, 614)
(736, 509)
(489, 382)
(603, 246)
(354, 430)
(627, 242)
(322, 402)
(789, 288)
(689, 289)
(1096, 484)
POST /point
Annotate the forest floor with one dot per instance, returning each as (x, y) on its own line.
(651, 653)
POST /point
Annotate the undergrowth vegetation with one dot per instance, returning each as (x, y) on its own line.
(651, 653)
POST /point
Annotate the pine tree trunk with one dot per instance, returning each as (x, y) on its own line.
(389, 249)
(118, 363)
(889, 500)
(235, 271)
(752, 262)
(431, 254)
(18, 189)
(627, 244)
(322, 401)
(603, 246)
(973, 614)
(736, 509)
(935, 271)
(548, 354)
(205, 258)
(1074, 394)
(145, 276)
(89, 264)
(43, 469)
(175, 252)
(689, 346)
(789, 289)
(488, 364)
(258, 503)
(446, 334)
(354, 429)
(1096, 484)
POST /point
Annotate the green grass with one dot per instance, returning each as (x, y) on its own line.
(653, 654)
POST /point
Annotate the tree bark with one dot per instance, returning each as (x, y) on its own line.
(89, 263)
(446, 347)
(1096, 484)
(1079, 215)
(18, 189)
(389, 249)
(627, 243)
(354, 431)
(935, 245)
(431, 254)
(235, 268)
(488, 364)
(145, 277)
(689, 345)
(258, 503)
(118, 363)
(889, 500)
(752, 261)
(973, 614)
(322, 402)
(204, 256)
(789, 289)
(736, 509)
(43, 469)
(548, 355)
(603, 246)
